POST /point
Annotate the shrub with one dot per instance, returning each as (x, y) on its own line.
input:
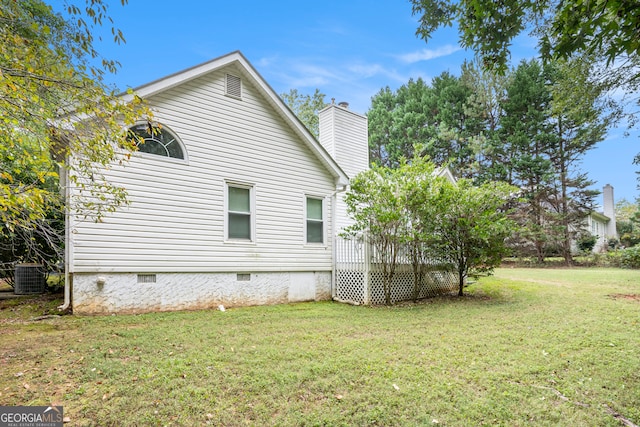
(586, 242)
(614, 258)
(630, 257)
(55, 283)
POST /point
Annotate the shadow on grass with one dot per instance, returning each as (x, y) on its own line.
(477, 297)
(26, 307)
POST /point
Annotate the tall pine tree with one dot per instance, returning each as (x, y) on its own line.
(527, 136)
(579, 119)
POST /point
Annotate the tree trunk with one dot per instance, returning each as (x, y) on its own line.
(386, 283)
(461, 275)
(564, 204)
(387, 290)
(417, 273)
(415, 282)
(539, 252)
(539, 226)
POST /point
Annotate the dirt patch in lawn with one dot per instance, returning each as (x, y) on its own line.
(628, 297)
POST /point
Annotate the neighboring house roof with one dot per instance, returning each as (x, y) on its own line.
(270, 95)
(446, 172)
(600, 217)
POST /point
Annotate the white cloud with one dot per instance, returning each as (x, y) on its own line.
(295, 73)
(372, 70)
(307, 81)
(427, 54)
(348, 80)
(311, 75)
(266, 61)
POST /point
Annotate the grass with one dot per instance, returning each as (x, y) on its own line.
(525, 347)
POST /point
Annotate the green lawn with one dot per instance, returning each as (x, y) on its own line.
(543, 347)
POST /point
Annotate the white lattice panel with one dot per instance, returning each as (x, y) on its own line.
(359, 279)
(350, 286)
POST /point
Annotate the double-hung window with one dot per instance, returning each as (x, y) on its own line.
(315, 220)
(239, 212)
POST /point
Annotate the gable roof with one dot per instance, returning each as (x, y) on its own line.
(446, 173)
(250, 73)
(599, 216)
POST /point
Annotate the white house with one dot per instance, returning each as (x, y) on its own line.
(232, 200)
(344, 134)
(603, 224)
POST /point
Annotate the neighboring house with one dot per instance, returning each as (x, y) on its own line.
(596, 225)
(232, 200)
(603, 224)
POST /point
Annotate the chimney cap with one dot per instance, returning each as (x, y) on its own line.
(343, 104)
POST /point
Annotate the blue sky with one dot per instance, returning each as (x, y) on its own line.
(349, 49)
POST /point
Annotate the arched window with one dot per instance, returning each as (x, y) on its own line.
(157, 139)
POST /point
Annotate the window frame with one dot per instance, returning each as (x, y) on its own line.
(323, 221)
(177, 138)
(251, 213)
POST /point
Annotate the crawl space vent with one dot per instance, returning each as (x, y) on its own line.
(146, 278)
(234, 86)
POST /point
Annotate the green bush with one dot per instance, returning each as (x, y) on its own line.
(630, 257)
(586, 242)
(614, 258)
(55, 283)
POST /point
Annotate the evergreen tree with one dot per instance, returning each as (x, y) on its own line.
(579, 122)
(527, 136)
(382, 151)
(488, 90)
(437, 118)
(452, 129)
(398, 121)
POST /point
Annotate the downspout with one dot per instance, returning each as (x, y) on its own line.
(64, 183)
(334, 229)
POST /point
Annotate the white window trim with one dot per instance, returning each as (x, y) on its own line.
(252, 211)
(324, 220)
(144, 155)
(155, 157)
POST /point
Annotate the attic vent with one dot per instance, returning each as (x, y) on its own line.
(234, 86)
(146, 278)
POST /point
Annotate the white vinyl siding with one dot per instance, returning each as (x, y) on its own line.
(598, 228)
(343, 133)
(175, 221)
